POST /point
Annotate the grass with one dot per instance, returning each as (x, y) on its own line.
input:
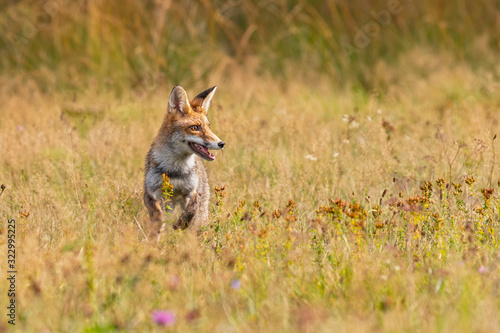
(353, 195)
(115, 45)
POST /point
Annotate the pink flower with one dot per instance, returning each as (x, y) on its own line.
(174, 282)
(483, 270)
(164, 318)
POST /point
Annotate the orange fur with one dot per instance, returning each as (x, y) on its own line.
(183, 140)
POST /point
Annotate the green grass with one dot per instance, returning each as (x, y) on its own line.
(117, 45)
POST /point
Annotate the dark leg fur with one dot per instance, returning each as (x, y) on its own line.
(187, 215)
(155, 212)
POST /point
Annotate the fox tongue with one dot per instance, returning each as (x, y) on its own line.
(202, 150)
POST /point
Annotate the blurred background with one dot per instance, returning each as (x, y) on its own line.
(117, 45)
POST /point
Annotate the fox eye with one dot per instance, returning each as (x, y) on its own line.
(195, 128)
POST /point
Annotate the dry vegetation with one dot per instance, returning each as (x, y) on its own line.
(356, 193)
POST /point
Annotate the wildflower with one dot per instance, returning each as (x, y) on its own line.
(192, 315)
(174, 282)
(220, 193)
(487, 192)
(483, 270)
(236, 284)
(469, 180)
(167, 190)
(164, 318)
(388, 128)
(311, 157)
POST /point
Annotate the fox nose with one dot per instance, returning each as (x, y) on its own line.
(221, 144)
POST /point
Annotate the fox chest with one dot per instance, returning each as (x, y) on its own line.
(184, 185)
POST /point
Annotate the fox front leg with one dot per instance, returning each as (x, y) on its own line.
(155, 212)
(189, 212)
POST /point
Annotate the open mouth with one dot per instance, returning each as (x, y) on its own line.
(202, 151)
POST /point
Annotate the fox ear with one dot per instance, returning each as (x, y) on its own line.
(178, 100)
(203, 99)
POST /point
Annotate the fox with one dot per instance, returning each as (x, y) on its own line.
(183, 141)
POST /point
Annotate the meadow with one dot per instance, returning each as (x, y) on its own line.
(359, 189)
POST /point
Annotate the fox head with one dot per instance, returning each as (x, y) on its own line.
(187, 124)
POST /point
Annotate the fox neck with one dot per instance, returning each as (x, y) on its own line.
(172, 155)
(172, 161)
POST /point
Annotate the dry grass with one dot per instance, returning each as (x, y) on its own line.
(75, 166)
(388, 252)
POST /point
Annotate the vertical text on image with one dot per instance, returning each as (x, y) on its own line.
(11, 270)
